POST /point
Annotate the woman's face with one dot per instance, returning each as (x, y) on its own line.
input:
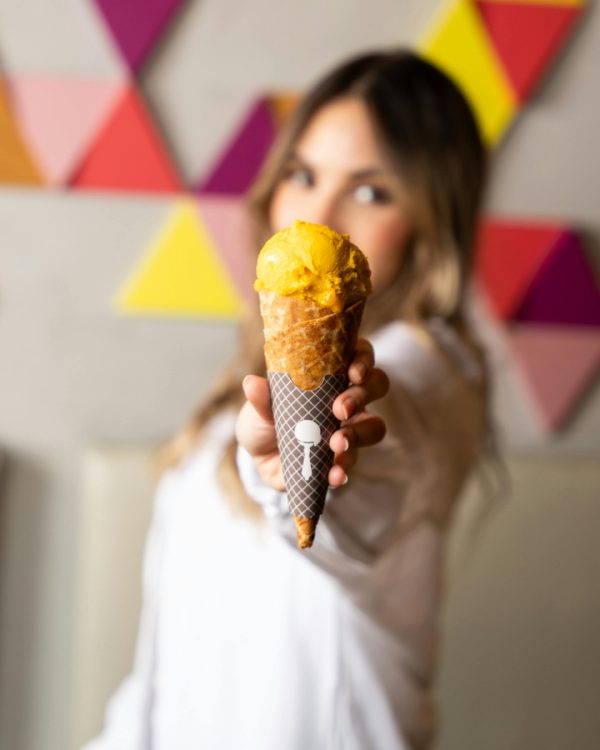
(337, 176)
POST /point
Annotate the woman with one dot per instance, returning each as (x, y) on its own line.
(245, 641)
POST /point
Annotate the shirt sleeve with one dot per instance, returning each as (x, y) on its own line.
(273, 502)
(127, 721)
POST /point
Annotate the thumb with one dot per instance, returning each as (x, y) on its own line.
(256, 390)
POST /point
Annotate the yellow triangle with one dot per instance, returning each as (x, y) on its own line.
(181, 274)
(460, 46)
(16, 165)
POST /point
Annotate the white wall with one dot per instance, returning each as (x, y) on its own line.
(72, 373)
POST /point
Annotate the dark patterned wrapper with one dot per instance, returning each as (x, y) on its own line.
(304, 422)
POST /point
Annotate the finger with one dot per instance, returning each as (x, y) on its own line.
(362, 363)
(339, 442)
(355, 398)
(256, 390)
(346, 460)
(337, 477)
(362, 430)
(345, 454)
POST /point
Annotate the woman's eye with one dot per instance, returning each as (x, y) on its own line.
(370, 194)
(300, 176)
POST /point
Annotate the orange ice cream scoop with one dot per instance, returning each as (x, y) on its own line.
(313, 262)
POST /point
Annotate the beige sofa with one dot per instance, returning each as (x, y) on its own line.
(115, 513)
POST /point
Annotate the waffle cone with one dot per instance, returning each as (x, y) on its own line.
(307, 349)
(305, 528)
(306, 340)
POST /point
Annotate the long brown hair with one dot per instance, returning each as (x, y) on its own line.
(428, 133)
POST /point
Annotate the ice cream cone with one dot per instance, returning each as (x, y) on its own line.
(307, 340)
(312, 284)
(307, 361)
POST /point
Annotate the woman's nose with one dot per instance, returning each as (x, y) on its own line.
(323, 211)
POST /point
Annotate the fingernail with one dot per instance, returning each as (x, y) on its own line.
(245, 382)
(348, 406)
(346, 444)
(361, 370)
(345, 480)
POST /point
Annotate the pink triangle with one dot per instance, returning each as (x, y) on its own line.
(60, 118)
(564, 291)
(229, 224)
(557, 364)
(241, 161)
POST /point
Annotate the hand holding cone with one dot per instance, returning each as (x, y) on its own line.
(313, 283)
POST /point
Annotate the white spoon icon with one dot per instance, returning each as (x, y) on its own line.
(308, 433)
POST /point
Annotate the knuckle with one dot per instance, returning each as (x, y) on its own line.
(365, 347)
(382, 381)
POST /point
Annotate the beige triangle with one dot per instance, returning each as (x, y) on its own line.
(181, 273)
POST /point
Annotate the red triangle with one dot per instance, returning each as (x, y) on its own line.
(129, 153)
(557, 364)
(508, 256)
(526, 37)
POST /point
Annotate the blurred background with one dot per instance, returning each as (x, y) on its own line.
(119, 126)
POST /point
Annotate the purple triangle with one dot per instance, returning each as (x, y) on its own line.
(137, 24)
(238, 166)
(564, 291)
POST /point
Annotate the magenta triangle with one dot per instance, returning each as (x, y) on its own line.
(238, 166)
(564, 291)
(136, 25)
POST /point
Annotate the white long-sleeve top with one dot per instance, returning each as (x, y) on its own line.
(248, 643)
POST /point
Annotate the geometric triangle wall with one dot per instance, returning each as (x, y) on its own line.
(17, 166)
(498, 52)
(540, 285)
(536, 273)
(564, 291)
(557, 364)
(239, 164)
(454, 44)
(129, 153)
(99, 135)
(136, 25)
(60, 117)
(508, 257)
(228, 223)
(526, 37)
(181, 274)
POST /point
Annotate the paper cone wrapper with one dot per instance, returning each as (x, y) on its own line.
(308, 350)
